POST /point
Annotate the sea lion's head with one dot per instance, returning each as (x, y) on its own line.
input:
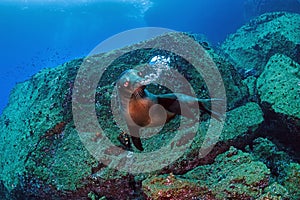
(130, 84)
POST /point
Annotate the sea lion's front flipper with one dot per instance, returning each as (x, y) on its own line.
(135, 137)
(171, 103)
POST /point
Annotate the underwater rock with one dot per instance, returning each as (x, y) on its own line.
(283, 179)
(239, 130)
(237, 92)
(255, 43)
(37, 117)
(242, 121)
(40, 149)
(279, 91)
(275, 191)
(267, 152)
(279, 85)
(251, 84)
(291, 180)
(41, 153)
(173, 187)
(234, 174)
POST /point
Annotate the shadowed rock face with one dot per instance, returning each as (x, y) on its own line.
(278, 88)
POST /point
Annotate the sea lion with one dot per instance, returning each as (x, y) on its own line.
(141, 108)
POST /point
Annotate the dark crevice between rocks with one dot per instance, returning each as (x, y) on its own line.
(30, 188)
(126, 187)
(4, 193)
(283, 130)
(297, 53)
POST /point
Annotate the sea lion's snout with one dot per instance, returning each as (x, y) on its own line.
(130, 83)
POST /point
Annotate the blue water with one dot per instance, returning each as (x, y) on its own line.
(37, 34)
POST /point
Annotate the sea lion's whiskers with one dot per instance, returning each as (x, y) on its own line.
(139, 93)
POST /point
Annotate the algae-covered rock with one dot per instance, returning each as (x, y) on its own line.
(279, 91)
(284, 171)
(35, 126)
(291, 180)
(242, 120)
(42, 155)
(253, 44)
(275, 191)
(279, 85)
(173, 187)
(267, 152)
(239, 129)
(234, 174)
(237, 92)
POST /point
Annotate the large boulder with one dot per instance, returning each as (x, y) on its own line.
(234, 174)
(42, 155)
(240, 128)
(279, 85)
(256, 42)
(279, 89)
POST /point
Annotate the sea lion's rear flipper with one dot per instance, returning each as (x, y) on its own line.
(204, 105)
(135, 137)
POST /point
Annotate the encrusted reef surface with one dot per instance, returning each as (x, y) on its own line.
(266, 52)
(279, 83)
(255, 43)
(256, 155)
(234, 174)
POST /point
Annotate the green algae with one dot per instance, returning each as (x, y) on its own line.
(291, 180)
(278, 85)
(234, 174)
(242, 120)
(275, 191)
(38, 106)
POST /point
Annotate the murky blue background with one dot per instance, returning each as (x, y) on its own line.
(37, 34)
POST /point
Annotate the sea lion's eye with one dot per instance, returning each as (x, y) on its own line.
(126, 84)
